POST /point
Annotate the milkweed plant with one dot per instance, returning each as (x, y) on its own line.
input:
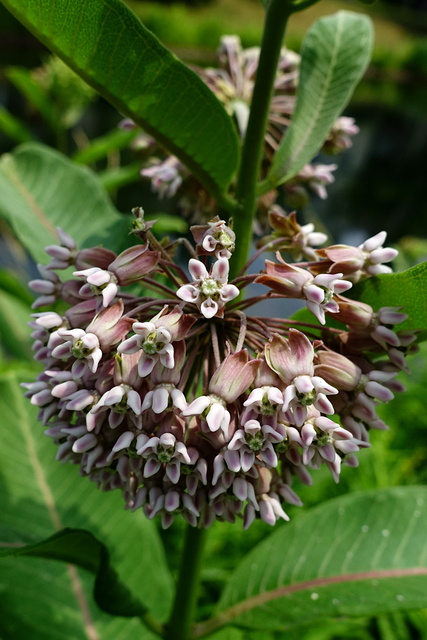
(160, 379)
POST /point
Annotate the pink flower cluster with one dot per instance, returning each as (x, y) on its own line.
(187, 403)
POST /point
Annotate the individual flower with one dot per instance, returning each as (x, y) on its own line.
(215, 237)
(319, 291)
(166, 176)
(155, 339)
(296, 239)
(292, 359)
(208, 290)
(81, 345)
(130, 266)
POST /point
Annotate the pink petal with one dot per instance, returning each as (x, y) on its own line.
(228, 292)
(146, 364)
(188, 292)
(197, 269)
(160, 400)
(197, 406)
(220, 270)
(109, 293)
(209, 308)
(217, 417)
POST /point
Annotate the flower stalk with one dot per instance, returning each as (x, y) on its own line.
(182, 617)
(276, 18)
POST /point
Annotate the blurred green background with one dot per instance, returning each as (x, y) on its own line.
(380, 184)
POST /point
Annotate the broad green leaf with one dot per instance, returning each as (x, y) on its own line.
(335, 54)
(105, 43)
(360, 554)
(407, 289)
(13, 127)
(38, 497)
(41, 189)
(80, 547)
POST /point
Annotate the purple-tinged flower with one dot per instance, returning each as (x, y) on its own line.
(166, 177)
(251, 442)
(155, 339)
(164, 451)
(99, 282)
(209, 291)
(320, 294)
(64, 254)
(297, 240)
(292, 360)
(375, 254)
(316, 177)
(215, 237)
(128, 267)
(84, 347)
(121, 400)
(164, 397)
(49, 287)
(319, 291)
(213, 411)
(339, 137)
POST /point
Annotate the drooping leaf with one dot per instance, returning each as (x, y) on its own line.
(105, 43)
(38, 99)
(38, 497)
(360, 554)
(407, 289)
(102, 146)
(13, 127)
(81, 548)
(335, 54)
(41, 189)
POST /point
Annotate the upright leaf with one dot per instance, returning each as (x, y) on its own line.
(335, 54)
(361, 554)
(41, 189)
(105, 43)
(38, 496)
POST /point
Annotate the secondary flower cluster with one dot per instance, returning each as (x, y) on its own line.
(233, 84)
(188, 404)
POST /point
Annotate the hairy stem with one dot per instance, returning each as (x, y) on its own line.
(276, 19)
(182, 617)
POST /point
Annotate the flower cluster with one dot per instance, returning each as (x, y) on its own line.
(187, 403)
(233, 84)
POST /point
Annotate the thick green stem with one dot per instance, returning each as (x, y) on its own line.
(276, 19)
(182, 617)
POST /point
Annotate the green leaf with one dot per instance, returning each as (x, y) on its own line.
(360, 554)
(38, 497)
(13, 127)
(42, 189)
(14, 332)
(113, 179)
(407, 289)
(104, 42)
(335, 54)
(80, 547)
(101, 147)
(23, 81)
